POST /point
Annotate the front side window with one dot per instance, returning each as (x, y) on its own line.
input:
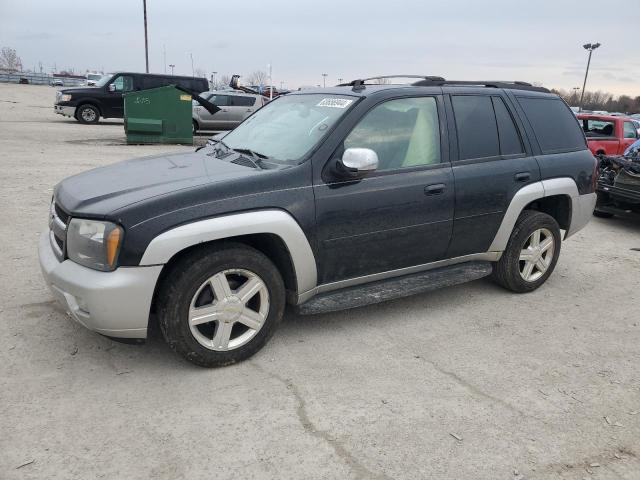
(630, 130)
(476, 126)
(404, 133)
(289, 127)
(123, 83)
(219, 100)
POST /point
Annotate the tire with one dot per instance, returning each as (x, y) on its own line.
(187, 296)
(601, 214)
(87, 114)
(514, 273)
(195, 128)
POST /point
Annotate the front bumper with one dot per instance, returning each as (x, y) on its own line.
(64, 110)
(115, 304)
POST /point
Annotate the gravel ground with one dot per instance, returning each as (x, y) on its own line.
(469, 382)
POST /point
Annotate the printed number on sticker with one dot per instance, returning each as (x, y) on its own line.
(335, 102)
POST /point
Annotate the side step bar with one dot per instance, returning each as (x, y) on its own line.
(398, 287)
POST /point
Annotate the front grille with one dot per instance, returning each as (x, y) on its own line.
(58, 229)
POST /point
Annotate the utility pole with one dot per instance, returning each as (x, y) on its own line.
(146, 42)
(193, 74)
(270, 82)
(324, 80)
(164, 57)
(590, 47)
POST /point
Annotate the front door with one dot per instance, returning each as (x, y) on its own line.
(400, 215)
(114, 102)
(240, 107)
(219, 120)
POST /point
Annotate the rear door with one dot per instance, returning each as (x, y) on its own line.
(490, 164)
(629, 136)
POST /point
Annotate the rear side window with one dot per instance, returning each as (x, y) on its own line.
(476, 126)
(554, 125)
(510, 143)
(236, 101)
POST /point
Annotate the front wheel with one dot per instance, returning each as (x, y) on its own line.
(87, 114)
(194, 127)
(220, 307)
(531, 254)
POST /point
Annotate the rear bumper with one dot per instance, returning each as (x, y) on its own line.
(116, 304)
(66, 111)
(581, 211)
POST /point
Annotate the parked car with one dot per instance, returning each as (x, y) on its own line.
(93, 79)
(234, 106)
(56, 82)
(618, 187)
(105, 100)
(607, 134)
(324, 199)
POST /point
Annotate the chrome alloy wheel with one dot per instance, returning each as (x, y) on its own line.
(536, 254)
(229, 309)
(88, 115)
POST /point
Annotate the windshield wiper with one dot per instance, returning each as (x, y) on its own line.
(256, 155)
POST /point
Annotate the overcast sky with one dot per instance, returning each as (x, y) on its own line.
(536, 40)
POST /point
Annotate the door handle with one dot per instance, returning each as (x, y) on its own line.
(435, 189)
(522, 176)
(249, 110)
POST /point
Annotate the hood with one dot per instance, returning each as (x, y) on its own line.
(99, 192)
(79, 91)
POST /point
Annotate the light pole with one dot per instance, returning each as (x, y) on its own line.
(340, 80)
(146, 43)
(324, 80)
(590, 47)
(215, 85)
(171, 65)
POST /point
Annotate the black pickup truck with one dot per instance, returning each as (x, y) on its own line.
(324, 199)
(105, 100)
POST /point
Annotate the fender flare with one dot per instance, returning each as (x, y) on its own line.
(277, 222)
(534, 191)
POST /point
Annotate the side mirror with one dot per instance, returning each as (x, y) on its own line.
(357, 162)
(112, 87)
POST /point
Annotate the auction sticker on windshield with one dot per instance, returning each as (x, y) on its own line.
(334, 102)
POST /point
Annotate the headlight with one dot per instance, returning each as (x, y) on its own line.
(65, 97)
(94, 244)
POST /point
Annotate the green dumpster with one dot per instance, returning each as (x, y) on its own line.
(158, 115)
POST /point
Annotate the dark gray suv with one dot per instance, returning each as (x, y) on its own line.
(325, 199)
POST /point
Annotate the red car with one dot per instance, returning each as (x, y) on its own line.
(606, 134)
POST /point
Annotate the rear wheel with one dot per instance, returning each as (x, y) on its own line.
(87, 114)
(220, 307)
(531, 254)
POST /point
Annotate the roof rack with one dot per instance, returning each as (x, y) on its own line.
(434, 81)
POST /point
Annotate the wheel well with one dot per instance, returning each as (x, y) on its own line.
(558, 206)
(600, 152)
(271, 245)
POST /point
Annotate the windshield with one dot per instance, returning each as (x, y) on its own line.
(103, 81)
(288, 128)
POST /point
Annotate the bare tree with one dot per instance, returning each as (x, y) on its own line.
(223, 81)
(199, 72)
(9, 60)
(601, 101)
(257, 77)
